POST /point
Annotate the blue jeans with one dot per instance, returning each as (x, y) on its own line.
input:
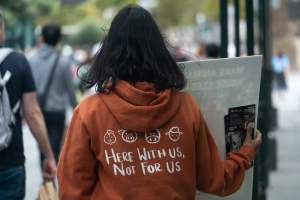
(12, 183)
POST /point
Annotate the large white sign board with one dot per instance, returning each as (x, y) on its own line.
(220, 85)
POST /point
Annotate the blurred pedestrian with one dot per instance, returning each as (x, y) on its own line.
(201, 50)
(55, 86)
(179, 55)
(212, 50)
(140, 137)
(280, 64)
(17, 91)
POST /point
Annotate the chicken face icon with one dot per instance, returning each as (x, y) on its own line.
(152, 137)
(128, 136)
(109, 137)
(174, 133)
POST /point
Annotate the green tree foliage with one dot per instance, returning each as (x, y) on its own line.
(88, 10)
(168, 12)
(113, 3)
(178, 12)
(43, 11)
(28, 8)
(211, 9)
(23, 15)
(88, 35)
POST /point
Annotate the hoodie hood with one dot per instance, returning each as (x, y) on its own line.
(139, 107)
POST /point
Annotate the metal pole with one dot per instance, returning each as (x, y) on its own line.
(224, 28)
(237, 27)
(261, 167)
(250, 27)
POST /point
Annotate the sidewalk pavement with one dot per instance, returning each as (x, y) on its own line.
(285, 182)
(33, 172)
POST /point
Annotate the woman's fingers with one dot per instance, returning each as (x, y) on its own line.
(249, 140)
(250, 128)
(258, 138)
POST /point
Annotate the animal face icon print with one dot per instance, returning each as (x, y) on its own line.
(109, 137)
(152, 137)
(174, 133)
(128, 136)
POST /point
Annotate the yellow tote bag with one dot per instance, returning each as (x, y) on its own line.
(47, 192)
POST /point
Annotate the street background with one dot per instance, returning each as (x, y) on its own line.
(194, 29)
(284, 183)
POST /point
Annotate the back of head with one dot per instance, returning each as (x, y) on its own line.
(280, 53)
(51, 34)
(212, 50)
(134, 50)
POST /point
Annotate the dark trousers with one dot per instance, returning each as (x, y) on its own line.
(280, 81)
(55, 123)
(12, 183)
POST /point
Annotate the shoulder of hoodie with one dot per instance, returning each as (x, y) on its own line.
(191, 108)
(94, 103)
(89, 106)
(189, 102)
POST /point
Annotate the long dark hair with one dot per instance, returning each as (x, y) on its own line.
(134, 51)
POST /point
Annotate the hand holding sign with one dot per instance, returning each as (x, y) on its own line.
(249, 141)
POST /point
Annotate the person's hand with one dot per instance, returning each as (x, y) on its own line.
(49, 168)
(255, 143)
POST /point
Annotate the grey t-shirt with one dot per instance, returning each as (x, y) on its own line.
(62, 89)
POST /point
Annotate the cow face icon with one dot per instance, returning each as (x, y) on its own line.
(152, 137)
(128, 136)
(174, 133)
(109, 137)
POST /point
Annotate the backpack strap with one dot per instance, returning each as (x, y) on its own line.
(14, 111)
(4, 52)
(5, 78)
(16, 107)
(44, 97)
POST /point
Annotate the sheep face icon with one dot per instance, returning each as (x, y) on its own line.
(152, 137)
(174, 133)
(109, 137)
(128, 136)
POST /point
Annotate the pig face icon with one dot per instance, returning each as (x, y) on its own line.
(174, 133)
(152, 137)
(128, 136)
(109, 137)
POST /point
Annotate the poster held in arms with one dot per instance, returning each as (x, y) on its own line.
(227, 91)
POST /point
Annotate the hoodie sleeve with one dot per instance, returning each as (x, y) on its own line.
(214, 175)
(77, 165)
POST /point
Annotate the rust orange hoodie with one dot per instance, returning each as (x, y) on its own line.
(135, 144)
